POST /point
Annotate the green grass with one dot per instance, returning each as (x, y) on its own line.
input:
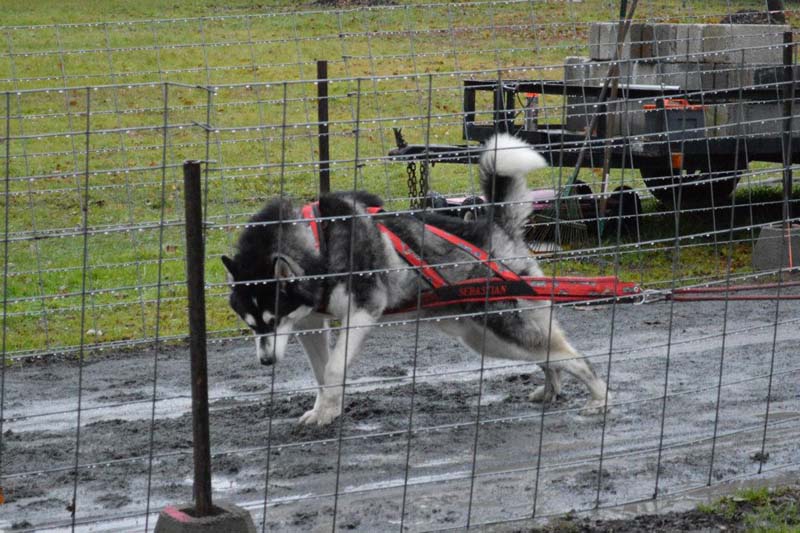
(397, 52)
(761, 510)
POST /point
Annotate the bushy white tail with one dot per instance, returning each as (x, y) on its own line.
(504, 165)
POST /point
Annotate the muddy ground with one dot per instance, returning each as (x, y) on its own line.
(482, 454)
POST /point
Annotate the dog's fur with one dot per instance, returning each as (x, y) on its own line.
(282, 283)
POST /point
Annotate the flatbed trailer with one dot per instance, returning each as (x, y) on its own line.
(670, 136)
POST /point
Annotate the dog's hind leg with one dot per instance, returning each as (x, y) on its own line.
(317, 348)
(582, 370)
(525, 341)
(564, 357)
(552, 385)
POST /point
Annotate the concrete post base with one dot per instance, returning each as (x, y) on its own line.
(776, 248)
(230, 519)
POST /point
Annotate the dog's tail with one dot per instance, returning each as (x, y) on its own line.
(504, 165)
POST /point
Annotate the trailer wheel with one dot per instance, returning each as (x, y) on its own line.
(697, 185)
(624, 208)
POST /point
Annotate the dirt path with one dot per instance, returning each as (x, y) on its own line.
(518, 467)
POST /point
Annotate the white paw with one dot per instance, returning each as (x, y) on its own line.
(542, 394)
(594, 407)
(320, 415)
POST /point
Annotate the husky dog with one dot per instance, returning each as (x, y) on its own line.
(288, 276)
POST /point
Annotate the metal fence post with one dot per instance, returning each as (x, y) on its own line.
(322, 127)
(195, 281)
(789, 79)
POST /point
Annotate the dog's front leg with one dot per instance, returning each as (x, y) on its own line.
(316, 344)
(329, 402)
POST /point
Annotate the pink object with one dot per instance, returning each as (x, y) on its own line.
(540, 198)
(177, 514)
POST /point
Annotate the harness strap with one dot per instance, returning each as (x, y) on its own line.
(560, 289)
(311, 213)
(508, 285)
(428, 272)
(474, 251)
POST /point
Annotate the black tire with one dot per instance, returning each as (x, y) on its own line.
(696, 186)
(623, 208)
(588, 204)
(474, 208)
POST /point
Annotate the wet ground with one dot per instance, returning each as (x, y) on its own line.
(440, 447)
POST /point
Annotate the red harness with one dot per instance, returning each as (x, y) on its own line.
(504, 285)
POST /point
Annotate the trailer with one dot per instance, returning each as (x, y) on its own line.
(690, 141)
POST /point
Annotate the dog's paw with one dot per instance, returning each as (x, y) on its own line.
(542, 394)
(319, 416)
(595, 407)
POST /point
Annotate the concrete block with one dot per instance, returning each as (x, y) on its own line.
(230, 519)
(680, 43)
(603, 41)
(660, 41)
(747, 118)
(777, 247)
(688, 42)
(772, 74)
(743, 43)
(696, 76)
(723, 120)
(692, 76)
(686, 75)
(670, 42)
(584, 71)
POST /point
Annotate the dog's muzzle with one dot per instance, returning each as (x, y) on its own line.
(270, 348)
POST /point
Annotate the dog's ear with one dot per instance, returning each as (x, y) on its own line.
(230, 268)
(286, 267)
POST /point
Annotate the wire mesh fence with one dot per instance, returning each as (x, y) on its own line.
(664, 173)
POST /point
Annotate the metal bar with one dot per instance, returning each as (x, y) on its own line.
(760, 91)
(415, 357)
(346, 320)
(271, 404)
(613, 78)
(611, 121)
(322, 127)
(30, 187)
(788, 109)
(490, 212)
(159, 296)
(72, 506)
(4, 327)
(195, 280)
(745, 297)
(788, 112)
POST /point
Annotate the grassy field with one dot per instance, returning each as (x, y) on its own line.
(760, 510)
(755, 510)
(242, 94)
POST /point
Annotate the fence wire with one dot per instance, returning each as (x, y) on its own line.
(675, 180)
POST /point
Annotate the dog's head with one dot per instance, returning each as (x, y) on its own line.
(271, 302)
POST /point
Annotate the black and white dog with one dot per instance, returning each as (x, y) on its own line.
(284, 281)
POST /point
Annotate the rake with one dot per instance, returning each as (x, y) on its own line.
(559, 224)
